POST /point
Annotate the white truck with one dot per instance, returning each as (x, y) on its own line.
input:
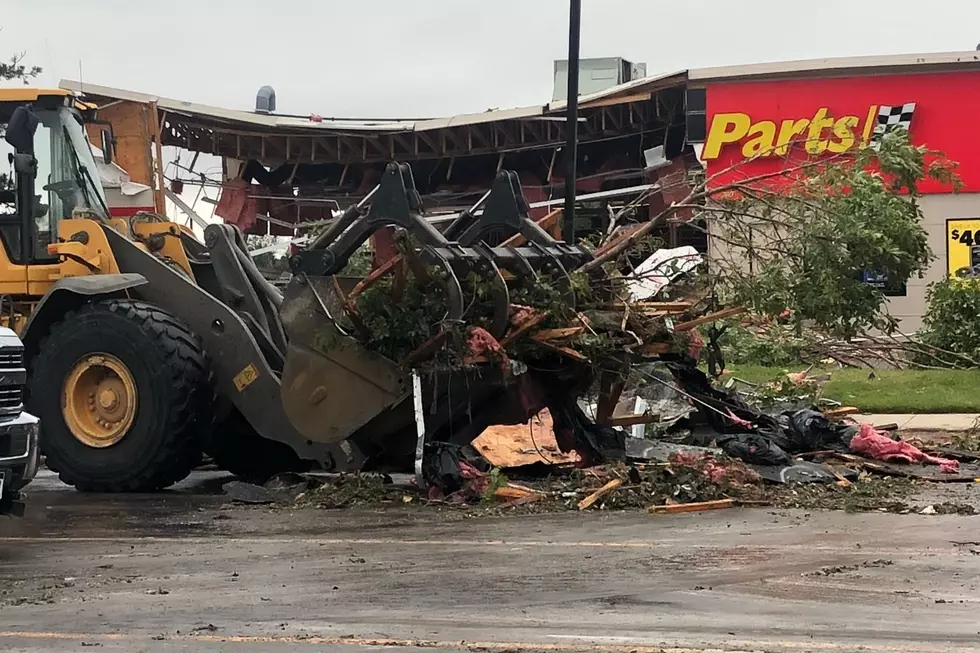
(19, 455)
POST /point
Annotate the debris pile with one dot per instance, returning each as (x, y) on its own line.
(721, 448)
(601, 318)
(552, 324)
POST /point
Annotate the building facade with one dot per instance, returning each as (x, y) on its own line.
(752, 120)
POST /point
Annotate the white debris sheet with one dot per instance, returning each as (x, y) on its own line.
(654, 274)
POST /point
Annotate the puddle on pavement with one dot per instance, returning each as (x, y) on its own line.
(56, 510)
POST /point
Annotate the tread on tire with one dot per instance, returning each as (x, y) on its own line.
(170, 371)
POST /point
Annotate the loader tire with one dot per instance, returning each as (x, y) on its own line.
(235, 447)
(143, 366)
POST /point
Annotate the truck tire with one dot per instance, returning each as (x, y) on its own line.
(235, 447)
(123, 392)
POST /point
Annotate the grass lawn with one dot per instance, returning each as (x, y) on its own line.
(893, 391)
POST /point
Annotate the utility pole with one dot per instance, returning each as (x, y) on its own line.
(571, 123)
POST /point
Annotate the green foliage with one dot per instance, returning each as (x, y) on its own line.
(359, 263)
(497, 479)
(773, 347)
(396, 329)
(783, 387)
(15, 69)
(804, 247)
(952, 318)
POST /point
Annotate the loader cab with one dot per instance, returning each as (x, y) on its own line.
(47, 173)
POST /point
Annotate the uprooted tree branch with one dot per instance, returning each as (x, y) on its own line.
(820, 243)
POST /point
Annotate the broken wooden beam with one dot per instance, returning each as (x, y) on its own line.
(546, 222)
(710, 317)
(557, 334)
(510, 492)
(611, 385)
(675, 508)
(590, 500)
(351, 308)
(368, 281)
(564, 351)
(843, 411)
(533, 320)
(632, 420)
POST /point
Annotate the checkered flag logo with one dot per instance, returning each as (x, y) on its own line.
(889, 118)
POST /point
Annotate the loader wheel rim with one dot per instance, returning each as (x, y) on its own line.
(99, 400)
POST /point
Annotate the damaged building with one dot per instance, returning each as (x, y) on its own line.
(639, 135)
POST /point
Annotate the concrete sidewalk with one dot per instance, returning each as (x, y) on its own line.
(939, 422)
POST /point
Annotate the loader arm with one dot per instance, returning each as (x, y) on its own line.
(242, 372)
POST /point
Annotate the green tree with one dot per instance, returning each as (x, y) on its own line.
(15, 69)
(950, 323)
(803, 247)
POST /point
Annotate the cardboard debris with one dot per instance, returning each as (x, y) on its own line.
(523, 444)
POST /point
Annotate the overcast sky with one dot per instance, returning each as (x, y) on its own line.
(377, 58)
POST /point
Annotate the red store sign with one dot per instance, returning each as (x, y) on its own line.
(756, 128)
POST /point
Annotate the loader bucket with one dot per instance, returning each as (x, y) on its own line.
(334, 388)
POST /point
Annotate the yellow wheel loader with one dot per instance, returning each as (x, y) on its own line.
(146, 347)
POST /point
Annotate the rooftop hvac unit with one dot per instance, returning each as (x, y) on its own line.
(596, 75)
(265, 100)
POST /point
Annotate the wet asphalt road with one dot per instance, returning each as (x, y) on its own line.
(183, 571)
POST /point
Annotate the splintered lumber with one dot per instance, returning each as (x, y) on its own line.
(590, 500)
(340, 291)
(533, 320)
(557, 334)
(351, 308)
(710, 317)
(546, 222)
(564, 351)
(843, 411)
(632, 420)
(368, 281)
(611, 387)
(623, 233)
(675, 508)
(510, 492)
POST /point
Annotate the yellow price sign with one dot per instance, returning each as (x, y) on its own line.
(963, 247)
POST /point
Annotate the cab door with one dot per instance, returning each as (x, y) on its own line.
(16, 185)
